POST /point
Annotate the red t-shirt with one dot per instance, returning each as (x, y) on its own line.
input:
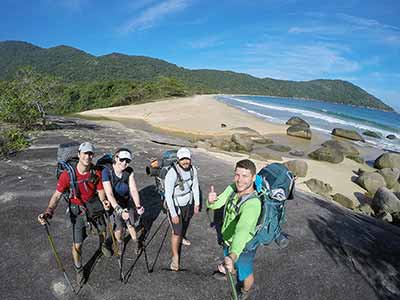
(86, 188)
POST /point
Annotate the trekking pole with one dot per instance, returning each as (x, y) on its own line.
(158, 252)
(120, 261)
(60, 265)
(116, 250)
(114, 242)
(231, 285)
(143, 250)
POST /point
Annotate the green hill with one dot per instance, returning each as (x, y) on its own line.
(76, 66)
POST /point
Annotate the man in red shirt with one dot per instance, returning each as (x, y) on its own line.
(89, 185)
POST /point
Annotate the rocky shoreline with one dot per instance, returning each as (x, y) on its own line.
(333, 253)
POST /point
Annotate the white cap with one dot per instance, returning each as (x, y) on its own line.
(86, 147)
(124, 154)
(183, 153)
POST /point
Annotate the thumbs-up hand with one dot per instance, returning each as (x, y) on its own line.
(212, 195)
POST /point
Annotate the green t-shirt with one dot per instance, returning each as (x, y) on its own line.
(237, 230)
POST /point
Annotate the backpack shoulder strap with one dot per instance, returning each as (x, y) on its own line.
(178, 174)
(71, 171)
(125, 174)
(244, 199)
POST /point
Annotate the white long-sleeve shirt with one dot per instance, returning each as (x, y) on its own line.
(174, 195)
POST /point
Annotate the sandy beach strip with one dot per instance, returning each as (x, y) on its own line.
(199, 115)
(203, 115)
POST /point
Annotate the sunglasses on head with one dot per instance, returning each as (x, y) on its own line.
(127, 160)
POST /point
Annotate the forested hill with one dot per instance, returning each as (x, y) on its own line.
(74, 65)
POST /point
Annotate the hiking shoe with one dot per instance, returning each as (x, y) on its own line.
(174, 266)
(105, 251)
(248, 295)
(79, 275)
(186, 242)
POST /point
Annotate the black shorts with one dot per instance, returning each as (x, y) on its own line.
(185, 214)
(79, 223)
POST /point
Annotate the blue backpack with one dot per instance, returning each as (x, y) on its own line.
(274, 185)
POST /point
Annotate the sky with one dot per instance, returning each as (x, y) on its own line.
(353, 40)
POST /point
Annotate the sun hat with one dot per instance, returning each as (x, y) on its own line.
(86, 147)
(125, 154)
(183, 153)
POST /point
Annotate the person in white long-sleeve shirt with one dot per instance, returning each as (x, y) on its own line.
(183, 200)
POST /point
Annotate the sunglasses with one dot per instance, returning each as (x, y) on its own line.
(127, 160)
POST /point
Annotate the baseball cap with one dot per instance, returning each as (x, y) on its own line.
(124, 154)
(86, 147)
(183, 153)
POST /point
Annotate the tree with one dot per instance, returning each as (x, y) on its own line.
(26, 99)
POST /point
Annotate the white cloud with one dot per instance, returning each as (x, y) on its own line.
(297, 62)
(366, 23)
(343, 25)
(154, 14)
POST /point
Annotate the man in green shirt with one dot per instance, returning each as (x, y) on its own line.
(239, 223)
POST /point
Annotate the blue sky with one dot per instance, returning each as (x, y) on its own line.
(354, 40)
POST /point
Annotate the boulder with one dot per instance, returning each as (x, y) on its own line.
(373, 134)
(328, 154)
(243, 142)
(264, 154)
(203, 144)
(217, 141)
(360, 171)
(385, 216)
(356, 158)
(344, 201)
(297, 121)
(245, 130)
(391, 176)
(391, 137)
(371, 181)
(319, 187)
(295, 152)
(385, 201)
(396, 189)
(298, 167)
(299, 131)
(261, 140)
(365, 209)
(348, 134)
(279, 148)
(229, 146)
(388, 160)
(345, 147)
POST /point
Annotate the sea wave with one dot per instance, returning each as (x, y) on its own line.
(326, 117)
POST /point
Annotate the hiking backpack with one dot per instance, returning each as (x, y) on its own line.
(67, 160)
(159, 168)
(274, 185)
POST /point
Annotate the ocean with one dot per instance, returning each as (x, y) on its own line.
(323, 116)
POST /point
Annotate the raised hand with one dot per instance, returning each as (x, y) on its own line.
(212, 195)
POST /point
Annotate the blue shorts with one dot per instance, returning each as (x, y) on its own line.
(244, 265)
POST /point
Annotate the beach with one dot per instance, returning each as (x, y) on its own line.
(202, 116)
